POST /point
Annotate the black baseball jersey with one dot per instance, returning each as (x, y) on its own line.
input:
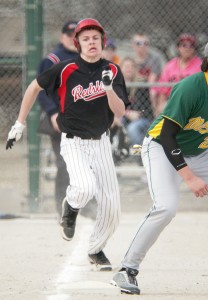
(83, 103)
(60, 53)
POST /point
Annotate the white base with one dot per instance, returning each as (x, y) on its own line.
(89, 287)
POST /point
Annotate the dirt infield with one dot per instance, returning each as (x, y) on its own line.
(37, 264)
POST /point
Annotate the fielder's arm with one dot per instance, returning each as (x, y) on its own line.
(174, 155)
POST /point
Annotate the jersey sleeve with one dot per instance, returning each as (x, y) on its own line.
(181, 101)
(119, 84)
(49, 80)
(44, 65)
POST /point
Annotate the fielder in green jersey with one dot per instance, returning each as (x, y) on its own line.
(174, 150)
(187, 107)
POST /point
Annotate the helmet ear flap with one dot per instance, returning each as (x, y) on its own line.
(76, 44)
(104, 39)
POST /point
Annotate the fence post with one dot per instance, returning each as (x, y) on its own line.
(33, 25)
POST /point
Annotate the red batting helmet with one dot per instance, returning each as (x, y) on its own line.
(85, 24)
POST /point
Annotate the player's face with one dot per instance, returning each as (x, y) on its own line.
(91, 45)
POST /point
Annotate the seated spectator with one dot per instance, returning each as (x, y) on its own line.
(185, 64)
(139, 114)
(149, 64)
(109, 52)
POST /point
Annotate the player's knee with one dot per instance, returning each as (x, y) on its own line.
(169, 213)
(115, 214)
(81, 194)
(87, 192)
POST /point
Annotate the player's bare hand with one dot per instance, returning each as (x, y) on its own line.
(198, 186)
(15, 134)
(54, 122)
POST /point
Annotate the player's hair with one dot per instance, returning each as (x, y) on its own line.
(204, 65)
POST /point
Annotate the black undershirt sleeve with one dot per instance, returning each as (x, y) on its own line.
(169, 143)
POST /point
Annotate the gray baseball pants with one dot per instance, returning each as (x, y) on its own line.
(164, 187)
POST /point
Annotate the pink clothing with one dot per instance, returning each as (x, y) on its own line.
(173, 73)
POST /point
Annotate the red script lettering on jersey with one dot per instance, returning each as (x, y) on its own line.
(91, 93)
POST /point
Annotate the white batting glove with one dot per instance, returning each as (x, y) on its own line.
(15, 134)
(107, 78)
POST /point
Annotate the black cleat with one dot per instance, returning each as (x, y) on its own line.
(68, 220)
(101, 261)
(125, 279)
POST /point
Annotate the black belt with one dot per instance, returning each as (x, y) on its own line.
(71, 136)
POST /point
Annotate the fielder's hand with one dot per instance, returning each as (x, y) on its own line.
(107, 78)
(15, 134)
(136, 149)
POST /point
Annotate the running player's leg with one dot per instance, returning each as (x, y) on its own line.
(82, 185)
(164, 184)
(107, 196)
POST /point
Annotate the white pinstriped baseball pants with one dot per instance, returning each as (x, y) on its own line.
(92, 173)
(164, 186)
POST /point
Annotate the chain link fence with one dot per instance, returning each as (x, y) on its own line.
(162, 21)
(159, 21)
(11, 61)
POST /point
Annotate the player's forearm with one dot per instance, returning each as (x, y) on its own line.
(186, 173)
(28, 100)
(116, 104)
(197, 185)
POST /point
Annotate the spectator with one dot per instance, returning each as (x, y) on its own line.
(185, 64)
(149, 66)
(109, 52)
(50, 106)
(139, 114)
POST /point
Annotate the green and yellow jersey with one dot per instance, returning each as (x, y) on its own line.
(188, 107)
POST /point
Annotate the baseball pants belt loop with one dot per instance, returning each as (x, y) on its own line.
(71, 136)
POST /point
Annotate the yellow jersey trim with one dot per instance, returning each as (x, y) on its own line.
(155, 132)
(206, 76)
(172, 120)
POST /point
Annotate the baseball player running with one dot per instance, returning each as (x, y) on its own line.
(91, 91)
(175, 149)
